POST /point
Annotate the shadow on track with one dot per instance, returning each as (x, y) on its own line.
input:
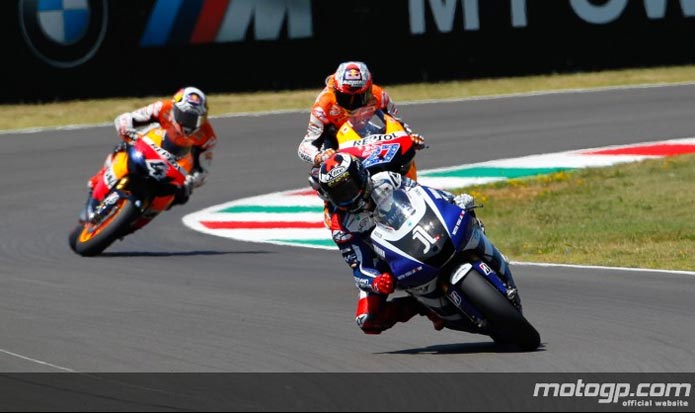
(466, 348)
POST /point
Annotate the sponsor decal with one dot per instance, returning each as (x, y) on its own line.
(455, 297)
(458, 223)
(111, 199)
(164, 154)
(63, 33)
(486, 268)
(353, 74)
(157, 169)
(380, 252)
(586, 11)
(381, 154)
(110, 177)
(412, 272)
(377, 137)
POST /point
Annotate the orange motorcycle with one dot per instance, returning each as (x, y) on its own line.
(149, 177)
(381, 142)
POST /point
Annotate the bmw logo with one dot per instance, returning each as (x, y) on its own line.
(63, 33)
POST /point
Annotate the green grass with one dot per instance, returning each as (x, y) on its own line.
(632, 215)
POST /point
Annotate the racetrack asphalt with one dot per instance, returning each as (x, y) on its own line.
(168, 299)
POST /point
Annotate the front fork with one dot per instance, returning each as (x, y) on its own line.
(492, 264)
(94, 209)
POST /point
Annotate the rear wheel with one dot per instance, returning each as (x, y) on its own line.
(90, 239)
(506, 324)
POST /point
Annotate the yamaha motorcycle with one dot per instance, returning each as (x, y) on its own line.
(429, 243)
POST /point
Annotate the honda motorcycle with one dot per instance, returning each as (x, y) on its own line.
(380, 142)
(154, 176)
(427, 242)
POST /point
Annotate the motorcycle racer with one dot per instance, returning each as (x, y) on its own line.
(349, 191)
(349, 94)
(189, 137)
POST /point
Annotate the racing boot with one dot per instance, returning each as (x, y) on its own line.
(437, 322)
(402, 309)
(375, 314)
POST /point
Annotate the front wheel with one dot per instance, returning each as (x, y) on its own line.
(506, 324)
(91, 239)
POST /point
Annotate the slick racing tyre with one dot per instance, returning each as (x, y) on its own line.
(90, 239)
(506, 324)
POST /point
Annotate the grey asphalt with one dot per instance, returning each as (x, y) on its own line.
(168, 299)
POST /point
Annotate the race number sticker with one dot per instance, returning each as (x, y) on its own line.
(382, 154)
(158, 169)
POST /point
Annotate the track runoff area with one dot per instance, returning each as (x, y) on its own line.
(295, 217)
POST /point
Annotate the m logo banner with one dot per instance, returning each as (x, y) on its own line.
(63, 33)
(183, 22)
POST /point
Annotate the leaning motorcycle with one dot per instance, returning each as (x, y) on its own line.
(380, 142)
(424, 239)
(153, 177)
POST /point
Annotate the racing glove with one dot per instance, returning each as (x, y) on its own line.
(383, 284)
(467, 203)
(418, 141)
(188, 185)
(184, 194)
(124, 127)
(464, 201)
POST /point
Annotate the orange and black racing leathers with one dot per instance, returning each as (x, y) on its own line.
(327, 116)
(193, 152)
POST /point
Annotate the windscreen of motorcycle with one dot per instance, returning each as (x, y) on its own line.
(365, 122)
(411, 227)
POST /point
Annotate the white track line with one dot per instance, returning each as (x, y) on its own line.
(403, 103)
(43, 363)
(598, 267)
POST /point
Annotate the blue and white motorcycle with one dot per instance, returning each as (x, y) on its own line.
(437, 253)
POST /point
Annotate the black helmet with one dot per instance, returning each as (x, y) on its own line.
(345, 182)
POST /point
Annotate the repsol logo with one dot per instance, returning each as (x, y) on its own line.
(444, 12)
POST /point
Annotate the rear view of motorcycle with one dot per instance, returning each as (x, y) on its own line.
(380, 142)
(439, 254)
(153, 176)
